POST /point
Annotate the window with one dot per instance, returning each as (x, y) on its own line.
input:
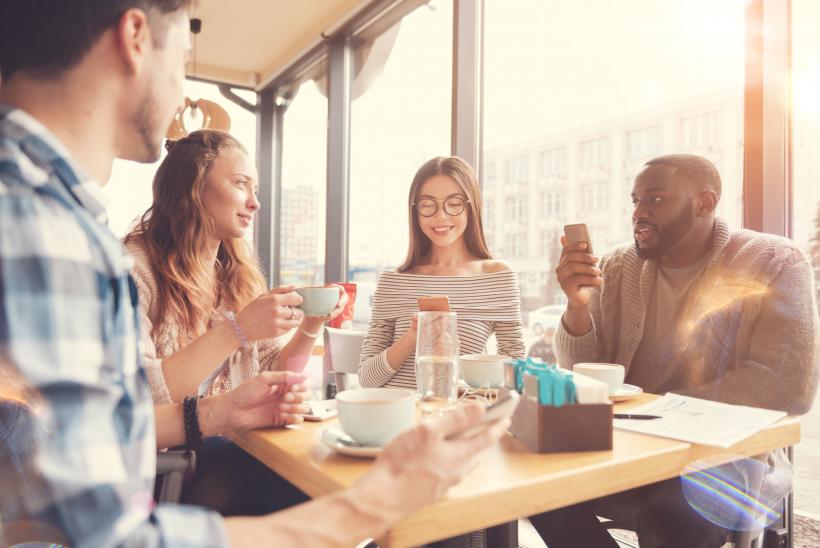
(595, 153)
(304, 176)
(517, 169)
(806, 212)
(489, 174)
(400, 118)
(643, 144)
(552, 202)
(515, 245)
(129, 187)
(594, 196)
(554, 162)
(700, 131)
(616, 103)
(515, 208)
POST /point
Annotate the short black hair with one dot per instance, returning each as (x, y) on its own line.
(47, 37)
(696, 170)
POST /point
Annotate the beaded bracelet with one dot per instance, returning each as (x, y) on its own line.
(193, 434)
(308, 334)
(243, 340)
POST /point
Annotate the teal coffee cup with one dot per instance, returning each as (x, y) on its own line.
(318, 301)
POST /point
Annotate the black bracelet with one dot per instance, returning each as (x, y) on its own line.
(193, 435)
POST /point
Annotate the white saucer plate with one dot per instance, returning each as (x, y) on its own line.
(332, 437)
(626, 392)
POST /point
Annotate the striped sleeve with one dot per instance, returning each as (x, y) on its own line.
(510, 338)
(374, 369)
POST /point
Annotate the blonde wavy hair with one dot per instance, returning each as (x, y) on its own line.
(174, 231)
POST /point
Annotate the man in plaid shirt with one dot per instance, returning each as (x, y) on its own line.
(81, 83)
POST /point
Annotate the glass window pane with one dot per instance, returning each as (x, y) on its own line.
(400, 118)
(129, 188)
(585, 101)
(806, 213)
(304, 188)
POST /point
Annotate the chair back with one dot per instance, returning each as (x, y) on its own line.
(342, 350)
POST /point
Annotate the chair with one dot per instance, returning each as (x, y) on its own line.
(342, 350)
(173, 467)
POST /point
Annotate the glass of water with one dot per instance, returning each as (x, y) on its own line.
(437, 361)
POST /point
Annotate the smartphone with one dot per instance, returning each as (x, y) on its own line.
(321, 410)
(434, 303)
(578, 233)
(504, 407)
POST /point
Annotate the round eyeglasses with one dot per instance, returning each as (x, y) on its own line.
(453, 205)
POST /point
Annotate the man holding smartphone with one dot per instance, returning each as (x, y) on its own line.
(692, 307)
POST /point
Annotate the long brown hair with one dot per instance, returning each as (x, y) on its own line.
(464, 176)
(174, 231)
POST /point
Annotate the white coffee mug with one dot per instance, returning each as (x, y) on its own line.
(374, 416)
(610, 373)
(482, 370)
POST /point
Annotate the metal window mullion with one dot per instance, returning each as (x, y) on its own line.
(338, 158)
(467, 88)
(767, 118)
(268, 162)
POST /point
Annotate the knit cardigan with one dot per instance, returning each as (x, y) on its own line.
(242, 364)
(750, 323)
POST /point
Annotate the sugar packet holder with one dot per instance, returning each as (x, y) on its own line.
(556, 428)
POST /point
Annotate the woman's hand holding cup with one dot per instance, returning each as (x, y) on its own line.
(271, 314)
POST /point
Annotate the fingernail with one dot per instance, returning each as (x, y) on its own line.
(289, 397)
(583, 245)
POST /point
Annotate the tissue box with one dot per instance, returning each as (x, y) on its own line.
(577, 427)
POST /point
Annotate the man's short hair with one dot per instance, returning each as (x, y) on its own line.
(699, 172)
(47, 37)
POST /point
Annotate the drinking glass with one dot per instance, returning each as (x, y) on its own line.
(437, 361)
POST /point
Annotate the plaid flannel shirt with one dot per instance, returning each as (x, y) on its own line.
(69, 326)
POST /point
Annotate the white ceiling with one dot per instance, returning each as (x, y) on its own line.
(248, 42)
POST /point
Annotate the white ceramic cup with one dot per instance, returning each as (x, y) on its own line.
(374, 416)
(610, 373)
(318, 301)
(482, 370)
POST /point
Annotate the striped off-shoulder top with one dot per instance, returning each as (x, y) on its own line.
(485, 304)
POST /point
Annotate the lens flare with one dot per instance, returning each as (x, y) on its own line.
(743, 494)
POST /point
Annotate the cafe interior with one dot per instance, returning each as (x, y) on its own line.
(556, 107)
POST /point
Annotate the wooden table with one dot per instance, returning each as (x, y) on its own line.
(510, 482)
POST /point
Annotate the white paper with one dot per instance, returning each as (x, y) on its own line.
(699, 421)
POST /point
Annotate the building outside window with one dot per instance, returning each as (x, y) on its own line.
(595, 153)
(554, 162)
(643, 143)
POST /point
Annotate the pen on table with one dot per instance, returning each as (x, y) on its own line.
(636, 417)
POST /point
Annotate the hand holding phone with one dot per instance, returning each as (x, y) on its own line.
(577, 269)
(503, 408)
(434, 303)
(578, 233)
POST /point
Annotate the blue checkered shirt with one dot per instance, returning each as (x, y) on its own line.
(69, 326)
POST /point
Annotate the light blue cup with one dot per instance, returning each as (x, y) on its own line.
(318, 301)
(374, 416)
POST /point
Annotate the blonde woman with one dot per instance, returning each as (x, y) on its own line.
(207, 318)
(202, 295)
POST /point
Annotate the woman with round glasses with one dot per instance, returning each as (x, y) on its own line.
(447, 255)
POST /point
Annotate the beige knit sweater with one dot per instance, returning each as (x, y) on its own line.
(749, 330)
(242, 365)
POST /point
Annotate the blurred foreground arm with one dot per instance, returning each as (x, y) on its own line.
(413, 470)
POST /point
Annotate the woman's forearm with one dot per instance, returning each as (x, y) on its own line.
(186, 368)
(400, 350)
(295, 355)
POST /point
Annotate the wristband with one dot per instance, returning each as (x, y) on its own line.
(193, 435)
(308, 334)
(243, 340)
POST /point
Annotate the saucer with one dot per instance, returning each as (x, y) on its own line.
(626, 392)
(345, 445)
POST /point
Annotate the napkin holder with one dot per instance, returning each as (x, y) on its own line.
(575, 427)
